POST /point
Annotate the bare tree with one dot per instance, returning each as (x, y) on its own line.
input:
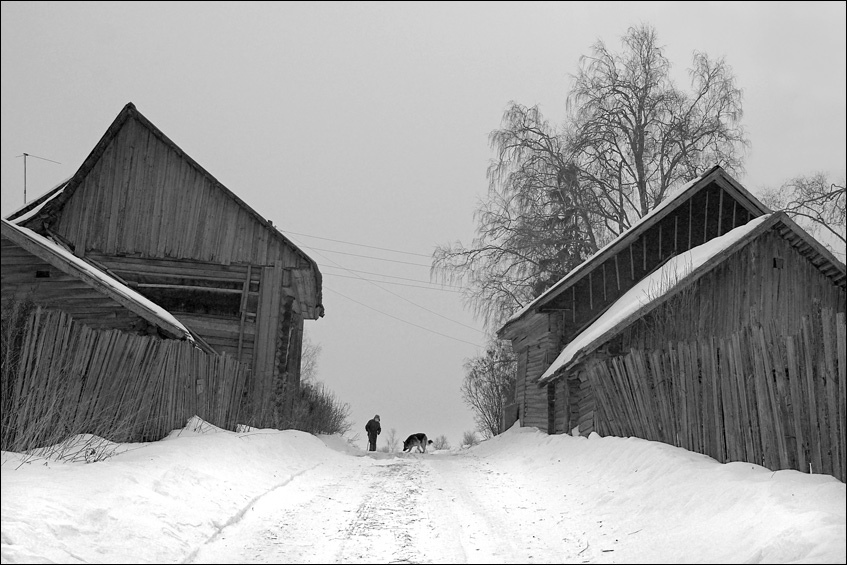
(317, 409)
(309, 359)
(391, 442)
(441, 442)
(556, 195)
(489, 385)
(469, 439)
(533, 227)
(634, 134)
(816, 204)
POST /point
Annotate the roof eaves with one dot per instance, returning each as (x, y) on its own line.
(666, 207)
(647, 307)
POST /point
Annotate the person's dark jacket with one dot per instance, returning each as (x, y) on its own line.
(373, 428)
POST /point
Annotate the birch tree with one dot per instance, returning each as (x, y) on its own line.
(556, 194)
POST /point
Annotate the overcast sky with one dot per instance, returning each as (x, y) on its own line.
(355, 126)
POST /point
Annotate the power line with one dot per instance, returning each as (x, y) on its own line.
(366, 256)
(400, 319)
(406, 299)
(389, 276)
(360, 244)
(396, 283)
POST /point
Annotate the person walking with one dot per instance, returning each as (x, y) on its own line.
(373, 428)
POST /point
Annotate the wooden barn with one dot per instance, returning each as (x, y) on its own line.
(145, 213)
(83, 353)
(773, 276)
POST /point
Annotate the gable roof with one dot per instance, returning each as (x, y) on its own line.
(70, 264)
(683, 270)
(54, 199)
(666, 207)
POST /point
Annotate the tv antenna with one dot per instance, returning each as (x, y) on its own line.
(25, 155)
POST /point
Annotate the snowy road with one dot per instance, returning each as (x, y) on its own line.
(205, 495)
(406, 509)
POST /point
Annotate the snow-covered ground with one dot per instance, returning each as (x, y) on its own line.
(205, 495)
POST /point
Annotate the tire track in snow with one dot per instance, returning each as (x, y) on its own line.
(372, 512)
(405, 509)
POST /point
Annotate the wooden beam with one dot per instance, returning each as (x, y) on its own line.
(590, 291)
(675, 233)
(186, 287)
(245, 290)
(617, 273)
(573, 299)
(690, 206)
(604, 282)
(631, 264)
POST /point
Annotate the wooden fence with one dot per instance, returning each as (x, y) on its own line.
(777, 401)
(73, 379)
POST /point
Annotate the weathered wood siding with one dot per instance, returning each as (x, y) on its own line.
(143, 197)
(122, 387)
(709, 213)
(535, 353)
(27, 277)
(234, 334)
(757, 395)
(767, 281)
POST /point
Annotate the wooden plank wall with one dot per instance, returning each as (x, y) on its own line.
(521, 384)
(745, 289)
(539, 349)
(757, 396)
(707, 214)
(61, 291)
(121, 387)
(535, 397)
(261, 406)
(233, 335)
(144, 197)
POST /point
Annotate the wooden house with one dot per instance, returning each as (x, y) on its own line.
(775, 276)
(144, 212)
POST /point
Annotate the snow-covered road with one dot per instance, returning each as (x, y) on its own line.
(205, 495)
(411, 508)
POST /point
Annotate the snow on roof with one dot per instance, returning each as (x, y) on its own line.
(674, 195)
(102, 277)
(646, 291)
(56, 191)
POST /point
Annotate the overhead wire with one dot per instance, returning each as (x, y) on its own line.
(366, 256)
(395, 283)
(398, 296)
(400, 319)
(393, 277)
(359, 244)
